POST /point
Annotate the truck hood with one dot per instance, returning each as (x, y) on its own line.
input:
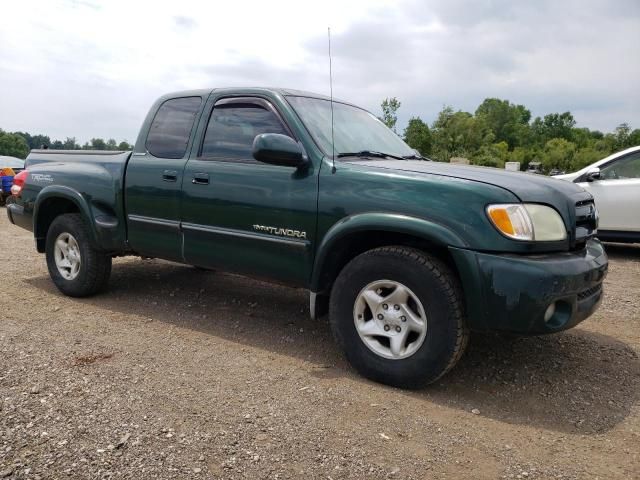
(527, 187)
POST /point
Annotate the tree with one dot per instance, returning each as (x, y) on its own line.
(583, 157)
(390, 107)
(622, 134)
(70, 144)
(457, 134)
(98, 144)
(418, 136)
(524, 155)
(124, 145)
(558, 153)
(492, 155)
(582, 137)
(553, 125)
(35, 141)
(508, 122)
(13, 145)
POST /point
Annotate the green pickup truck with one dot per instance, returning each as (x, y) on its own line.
(406, 255)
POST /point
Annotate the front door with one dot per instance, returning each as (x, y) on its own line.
(242, 215)
(154, 179)
(617, 194)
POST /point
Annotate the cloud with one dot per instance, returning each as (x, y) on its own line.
(90, 68)
(185, 22)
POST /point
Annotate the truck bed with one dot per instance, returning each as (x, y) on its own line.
(93, 179)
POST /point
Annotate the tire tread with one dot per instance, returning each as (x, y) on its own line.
(97, 264)
(454, 299)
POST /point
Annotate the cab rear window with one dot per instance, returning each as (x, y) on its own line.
(171, 127)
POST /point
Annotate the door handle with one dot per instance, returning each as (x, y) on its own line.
(200, 179)
(170, 175)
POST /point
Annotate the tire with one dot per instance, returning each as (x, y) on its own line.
(88, 276)
(434, 300)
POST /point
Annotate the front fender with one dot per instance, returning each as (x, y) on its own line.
(379, 222)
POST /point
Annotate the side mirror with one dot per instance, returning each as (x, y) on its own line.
(277, 149)
(593, 174)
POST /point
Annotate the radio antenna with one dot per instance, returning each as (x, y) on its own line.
(333, 144)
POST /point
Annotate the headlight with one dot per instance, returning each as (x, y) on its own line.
(527, 221)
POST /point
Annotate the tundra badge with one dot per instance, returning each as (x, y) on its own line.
(282, 232)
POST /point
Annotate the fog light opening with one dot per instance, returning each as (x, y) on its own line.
(557, 314)
(548, 314)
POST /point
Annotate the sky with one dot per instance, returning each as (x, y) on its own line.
(91, 68)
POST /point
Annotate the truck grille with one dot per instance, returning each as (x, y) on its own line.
(586, 222)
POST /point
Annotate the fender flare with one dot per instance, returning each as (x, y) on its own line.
(67, 193)
(379, 221)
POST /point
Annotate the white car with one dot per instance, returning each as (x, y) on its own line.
(614, 183)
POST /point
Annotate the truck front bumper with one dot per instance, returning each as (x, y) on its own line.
(531, 294)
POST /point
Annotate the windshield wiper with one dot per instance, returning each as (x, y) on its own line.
(369, 153)
(417, 157)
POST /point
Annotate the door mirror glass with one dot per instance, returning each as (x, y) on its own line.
(278, 149)
(593, 174)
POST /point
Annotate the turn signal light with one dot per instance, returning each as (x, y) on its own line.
(512, 220)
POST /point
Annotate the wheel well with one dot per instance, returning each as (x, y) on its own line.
(360, 242)
(47, 212)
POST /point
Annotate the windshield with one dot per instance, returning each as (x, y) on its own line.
(355, 130)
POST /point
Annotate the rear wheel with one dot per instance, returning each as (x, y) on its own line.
(75, 266)
(398, 314)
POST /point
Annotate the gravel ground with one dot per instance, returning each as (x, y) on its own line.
(178, 373)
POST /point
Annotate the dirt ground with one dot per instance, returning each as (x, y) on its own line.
(178, 373)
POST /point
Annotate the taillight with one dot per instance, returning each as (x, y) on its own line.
(18, 183)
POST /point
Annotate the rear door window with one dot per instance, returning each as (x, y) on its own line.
(171, 127)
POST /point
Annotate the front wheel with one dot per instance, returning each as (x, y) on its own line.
(75, 266)
(398, 313)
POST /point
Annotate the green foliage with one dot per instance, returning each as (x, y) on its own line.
(493, 155)
(18, 144)
(458, 134)
(35, 141)
(498, 132)
(553, 125)
(508, 122)
(70, 144)
(558, 153)
(418, 136)
(585, 156)
(390, 107)
(502, 131)
(13, 145)
(111, 144)
(98, 144)
(622, 134)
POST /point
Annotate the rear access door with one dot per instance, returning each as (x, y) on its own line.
(242, 215)
(154, 178)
